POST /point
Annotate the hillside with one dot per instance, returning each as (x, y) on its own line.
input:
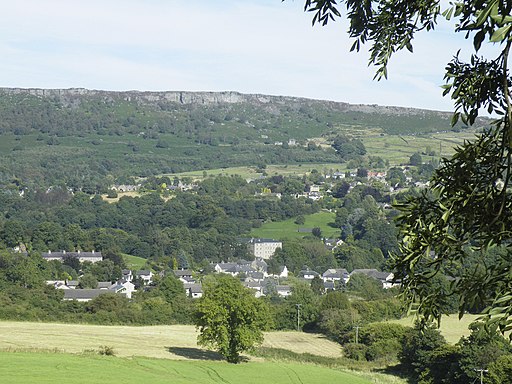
(87, 139)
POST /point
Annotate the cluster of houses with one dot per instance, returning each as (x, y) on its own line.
(253, 274)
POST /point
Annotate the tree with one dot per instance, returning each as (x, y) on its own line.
(415, 159)
(468, 204)
(229, 318)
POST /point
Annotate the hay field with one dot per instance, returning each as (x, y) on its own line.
(451, 327)
(176, 342)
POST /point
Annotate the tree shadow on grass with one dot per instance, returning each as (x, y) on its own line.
(195, 353)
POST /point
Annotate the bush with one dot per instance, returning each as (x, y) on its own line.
(500, 371)
(355, 351)
(106, 350)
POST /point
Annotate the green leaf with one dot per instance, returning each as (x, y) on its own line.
(500, 34)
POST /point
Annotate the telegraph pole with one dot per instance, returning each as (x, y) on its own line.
(481, 374)
(357, 334)
(298, 316)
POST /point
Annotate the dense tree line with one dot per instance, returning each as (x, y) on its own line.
(202, 226)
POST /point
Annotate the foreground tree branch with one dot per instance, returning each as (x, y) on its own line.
(461, 226)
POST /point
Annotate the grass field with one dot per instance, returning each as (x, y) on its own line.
(398, 149)
(271, 169)
(289, 230)
(28, 368)
(134, 262)
(49, 353)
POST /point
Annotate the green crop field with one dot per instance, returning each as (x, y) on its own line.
(288, 229)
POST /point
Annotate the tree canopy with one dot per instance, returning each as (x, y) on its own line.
(466, 210)
(230, 319)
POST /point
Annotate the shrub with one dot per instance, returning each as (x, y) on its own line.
(355, 351)
(106, 350)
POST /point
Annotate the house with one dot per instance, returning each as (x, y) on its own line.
(127, 275)
(329, 286)
(184, 274)
(84, 294)
(234, 269)
(104, 285)
(331, 244)
(260, 265)
(145, 275)
(385, 278)
(283, 272)
(264, 248)
(335, 275)
(92, 257)
(58, 284)
(255, 276)
(256, 286)
(72, 284)
(124, 287)
(126, 188)
(193, 290)
(308, 274)
(283, 290)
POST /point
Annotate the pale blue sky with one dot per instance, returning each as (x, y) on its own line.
(250, 46)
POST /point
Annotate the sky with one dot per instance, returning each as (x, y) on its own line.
(249, 46)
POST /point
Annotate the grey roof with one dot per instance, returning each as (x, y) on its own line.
(329, 285)
(183, 272)
(143, 272)
(336, 273)
(308, 272)
(372, 273)
(83, 294)
(193, 287)
(104, 284)
(256, 275)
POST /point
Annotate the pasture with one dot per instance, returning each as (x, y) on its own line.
(289, 230)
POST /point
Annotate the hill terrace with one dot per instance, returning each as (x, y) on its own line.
(92, 257)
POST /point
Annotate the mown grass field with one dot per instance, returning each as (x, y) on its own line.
(49, 353)
(163, 341)
(289, 230)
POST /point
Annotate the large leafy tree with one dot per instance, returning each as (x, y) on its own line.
(467, 208)
(229, 318)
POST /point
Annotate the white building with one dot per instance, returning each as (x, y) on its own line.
(92, 257)
(264, 248)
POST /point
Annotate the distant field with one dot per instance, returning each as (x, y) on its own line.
(134, 262)
(451, 327)
(271, 169)
(36, 368)
(176, 342)
(288, 229)
(397, 149)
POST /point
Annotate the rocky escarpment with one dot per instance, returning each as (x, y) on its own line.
(73, 96)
